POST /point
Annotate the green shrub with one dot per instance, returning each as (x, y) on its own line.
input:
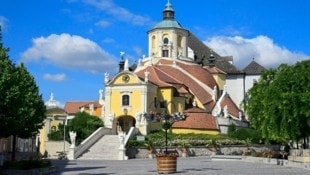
(84, 125)
(231, 129)
(58, 134)
(246, 133)
(175, 140)
(133, 143)
(55, 135)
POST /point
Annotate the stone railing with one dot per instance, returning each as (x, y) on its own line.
(88, 142)
(131, 133)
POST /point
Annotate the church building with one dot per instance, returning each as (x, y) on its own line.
(180, 77)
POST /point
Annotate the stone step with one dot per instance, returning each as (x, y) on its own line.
(106, 148)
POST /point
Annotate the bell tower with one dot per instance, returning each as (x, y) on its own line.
(168, 39)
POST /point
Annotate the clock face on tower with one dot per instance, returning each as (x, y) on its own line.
(126, 78)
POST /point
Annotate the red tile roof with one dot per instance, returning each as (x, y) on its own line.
(232, 108)
(191, 75)
(73, 107)
(197, 118)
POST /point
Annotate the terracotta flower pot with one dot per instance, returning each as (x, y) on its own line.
(166, 164)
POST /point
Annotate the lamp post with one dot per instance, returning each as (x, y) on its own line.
(64, 122)
(167, 119)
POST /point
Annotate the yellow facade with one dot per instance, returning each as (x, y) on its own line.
(97, 112)
(127, 83)
(54, 117)
(220, 80)
(194, 131)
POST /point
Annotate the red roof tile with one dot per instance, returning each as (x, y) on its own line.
(73, 107)
(164, 73)
(232, 108)
(197, 119)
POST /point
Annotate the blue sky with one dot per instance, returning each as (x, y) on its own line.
(68, 45)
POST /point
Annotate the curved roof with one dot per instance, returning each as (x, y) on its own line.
(191, 76)
(168, 19)
(56, 111)
(168, 24)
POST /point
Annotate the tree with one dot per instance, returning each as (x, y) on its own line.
(22, 109)
(84, 125)
(279, 104)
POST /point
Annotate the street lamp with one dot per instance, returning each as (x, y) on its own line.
(167, 119)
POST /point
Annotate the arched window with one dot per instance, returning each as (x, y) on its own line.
(153, 42)
(125, 100)
(53, 128)
(166, 41)
(179, 41)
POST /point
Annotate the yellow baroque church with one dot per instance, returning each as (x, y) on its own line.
(179, 77)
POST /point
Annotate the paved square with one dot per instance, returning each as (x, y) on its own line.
(190, 165)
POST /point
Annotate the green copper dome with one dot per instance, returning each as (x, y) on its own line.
(168, 18)
(168, 24)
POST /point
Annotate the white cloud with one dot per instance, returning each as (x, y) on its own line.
(262, 48)
(55, 77)
(3, 22)
(119, 13)
(70, 51)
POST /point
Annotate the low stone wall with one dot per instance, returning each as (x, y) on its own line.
(300, 155)
(52, 147)
(138, 153)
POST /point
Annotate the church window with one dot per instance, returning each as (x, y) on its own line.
(125, 100)
(153, 42)
(179, 41)
(163, 104)
(165, 53)
(166, 41)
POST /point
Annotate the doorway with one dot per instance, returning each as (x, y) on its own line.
(124, 123)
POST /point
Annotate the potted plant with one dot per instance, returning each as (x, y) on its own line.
(150, 148)
(214, 146)
(167, 160)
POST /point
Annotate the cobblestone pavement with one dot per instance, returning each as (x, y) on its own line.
(192, 166)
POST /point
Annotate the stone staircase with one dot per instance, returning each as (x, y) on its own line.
(106, 148)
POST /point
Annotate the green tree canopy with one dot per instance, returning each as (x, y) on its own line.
(279, 104)
(84, 125)
(22, 109)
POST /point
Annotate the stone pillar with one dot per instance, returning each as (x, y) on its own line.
(108, 122)
(122, 149)
(71, 154)
(72, 135)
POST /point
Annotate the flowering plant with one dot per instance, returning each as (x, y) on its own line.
(173, 153)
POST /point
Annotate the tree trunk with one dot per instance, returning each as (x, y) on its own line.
(13, 148)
